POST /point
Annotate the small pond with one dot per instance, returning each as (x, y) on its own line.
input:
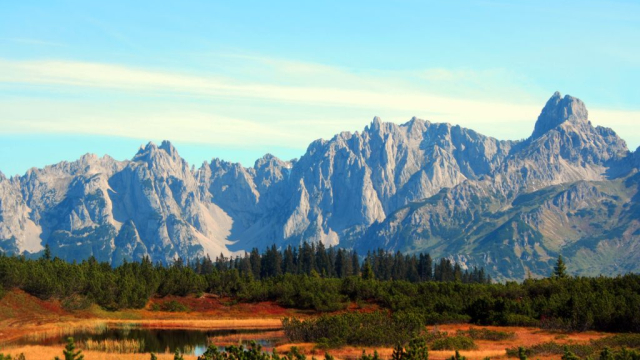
(143, 340)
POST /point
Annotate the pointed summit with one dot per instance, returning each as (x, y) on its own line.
(558, 110)
(375, 124)
(146, 148)
(164, 154)
(169, 148)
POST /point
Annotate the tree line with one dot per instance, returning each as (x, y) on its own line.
(560, 302)
(316, 259)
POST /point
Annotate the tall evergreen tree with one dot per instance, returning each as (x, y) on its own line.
(256, 263)
(367, 271)
(47, 252)
(560, 270)
(289, 261)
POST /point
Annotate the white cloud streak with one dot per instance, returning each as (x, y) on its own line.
(497, 118)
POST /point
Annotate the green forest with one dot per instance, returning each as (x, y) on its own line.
(326, 280)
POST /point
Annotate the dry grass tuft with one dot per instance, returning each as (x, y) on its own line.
(49, 352)
(126, 346)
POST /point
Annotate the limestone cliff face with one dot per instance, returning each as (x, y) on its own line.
(569, 189)
(511, 206)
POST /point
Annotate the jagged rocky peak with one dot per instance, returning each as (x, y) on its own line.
(267, 160)
(415, 122)
(375, 123)
(416, 186)
(164, 159)
(169, 148)
(558, 110)
(151, 149)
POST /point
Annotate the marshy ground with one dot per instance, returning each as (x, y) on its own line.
(25, 317)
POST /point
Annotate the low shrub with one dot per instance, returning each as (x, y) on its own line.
(520, 320)
(553, 348)
(487, 334)
(453, 343)
(76, 302)
(170, 306)
(621, 340)
(432, 336)
(446, 318)
(366, 329)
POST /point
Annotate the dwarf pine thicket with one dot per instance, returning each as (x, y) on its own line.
(415, 349)
(313, 278)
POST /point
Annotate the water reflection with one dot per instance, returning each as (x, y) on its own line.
(192, 342)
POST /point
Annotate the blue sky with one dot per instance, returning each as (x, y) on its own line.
(238, 79)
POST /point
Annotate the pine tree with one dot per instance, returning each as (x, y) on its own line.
(417, 350)
(398, 353)
(256, 263)
(568, 355)
(367, 271)
(355, 264)
(606, 354)
(70, 352)
(457, 356)
(47, 253)
(522, 354)
(177, 356)
(289, 264)
(560, 270)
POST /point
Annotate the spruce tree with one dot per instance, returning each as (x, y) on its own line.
(417, 350)
(398, 353)
(560, 270)
(70, 352)
(606, 354)
(568, 355)
(522, 354)
(47, 253)
(367, 271)
(177, 355)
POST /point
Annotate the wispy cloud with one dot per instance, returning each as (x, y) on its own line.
(36, 42)
(275, 88)
(106, 76)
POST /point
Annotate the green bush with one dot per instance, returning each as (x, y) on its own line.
(487, 334)
(170, 306)
(76, 302)
(519, 320)
(446, 318)
(453, 343)
(552, 348)
(603, 345)
(370, 329)
(618, 341)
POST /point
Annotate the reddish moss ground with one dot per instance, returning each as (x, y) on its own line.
(224, 307)
(22, 314)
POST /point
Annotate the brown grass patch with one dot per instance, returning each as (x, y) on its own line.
(205, 324)
(235, 339)
(49, 352)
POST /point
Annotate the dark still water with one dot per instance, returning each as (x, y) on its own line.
(141, 340)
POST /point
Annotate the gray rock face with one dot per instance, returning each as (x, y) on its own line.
(557, 111)
(510, 206)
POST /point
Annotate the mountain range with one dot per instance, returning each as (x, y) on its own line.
(512, 207)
